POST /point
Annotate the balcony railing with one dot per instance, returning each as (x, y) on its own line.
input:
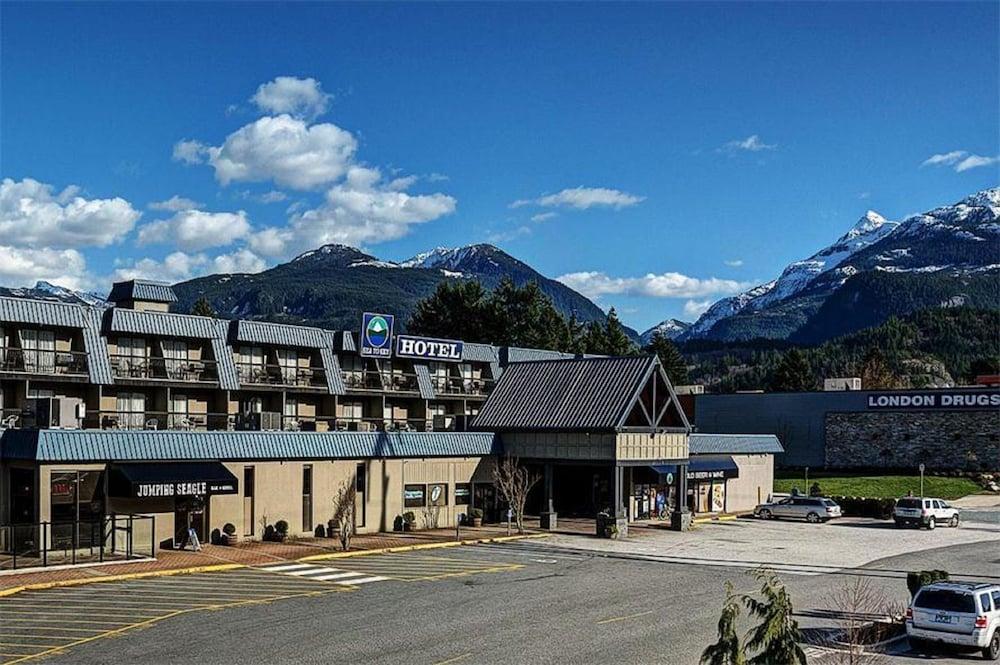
(281, 375)
(170, 369)
(453, 385)
(380, 381)
(112, 538)
(34, 361)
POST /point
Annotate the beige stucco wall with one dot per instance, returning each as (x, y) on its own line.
(755, 484)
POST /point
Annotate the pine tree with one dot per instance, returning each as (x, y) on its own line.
(728, 650)
(594, 339)
(776, 638)
(618, 343)
(455, 309)
(202, 307)
(671, 359)
(575, 332)
(793, 373)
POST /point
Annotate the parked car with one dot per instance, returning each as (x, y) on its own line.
(961, 615)
(809, 508)
(918, 512)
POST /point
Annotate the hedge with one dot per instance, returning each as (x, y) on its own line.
(860, 506)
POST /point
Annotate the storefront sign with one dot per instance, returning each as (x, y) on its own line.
(376, 335)
(425, 348)
(706, 475)
(150, 490)
(986, 399)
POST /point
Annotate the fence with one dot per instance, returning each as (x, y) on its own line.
(112, 538)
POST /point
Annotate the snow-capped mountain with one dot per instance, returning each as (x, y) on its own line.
(670, 328)
(949, 243)
(43, 290)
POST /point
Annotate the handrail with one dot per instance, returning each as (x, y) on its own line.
(379, 381)
(43, 361)
(156, 367)
(39, 544)
(454, 385)
(281, 375)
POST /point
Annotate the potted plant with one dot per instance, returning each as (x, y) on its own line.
(229, 536)
(331, 528)
(408, 520)
(476, 517)
(280, 531)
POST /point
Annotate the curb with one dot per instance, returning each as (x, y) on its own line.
(721, 518)
(10, 591)
(422, 546)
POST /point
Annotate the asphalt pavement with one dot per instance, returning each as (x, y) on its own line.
(523, 602)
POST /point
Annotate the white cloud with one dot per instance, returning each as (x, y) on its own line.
(543, 216)
(31, 216)
(181, 266)
(271, 241)
(301, 98)
(695, 308)
(242, 260)
(23, 267)
(735, 263)
(752, 143)
(190, 152)
(174, 204)
(193, 230)
(582, 198)
(506, 236)
(286, 150)
(975, 161)
(960, 160)
(665, 285)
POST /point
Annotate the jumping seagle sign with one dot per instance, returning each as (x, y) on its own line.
(943, 399)
(425, 348)
(376, 335)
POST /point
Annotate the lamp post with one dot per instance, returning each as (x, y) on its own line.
(807, 482)
(921, 467)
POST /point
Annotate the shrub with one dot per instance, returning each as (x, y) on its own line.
(919, 579)
(815, 490)
(409, 517)
(476, 513)
(229, 529)
(281, 527)
(860, 506)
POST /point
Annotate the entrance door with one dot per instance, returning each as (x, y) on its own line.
(484, 497)
(22, 496)
(189, 513)
(248, 507)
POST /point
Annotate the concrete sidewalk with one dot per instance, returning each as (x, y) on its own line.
(250, 553)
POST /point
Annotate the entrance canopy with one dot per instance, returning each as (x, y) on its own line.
(168, 479)
(705, 468)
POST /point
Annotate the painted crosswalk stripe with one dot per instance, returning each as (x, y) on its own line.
(337, 576)
(364, 580)
(286, 567)
(310, 572)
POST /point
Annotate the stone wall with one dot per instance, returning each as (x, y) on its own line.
(959, 440)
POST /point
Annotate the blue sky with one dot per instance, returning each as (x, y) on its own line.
(672, 153)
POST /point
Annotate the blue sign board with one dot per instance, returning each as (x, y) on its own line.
(376, 335)
(426, 348)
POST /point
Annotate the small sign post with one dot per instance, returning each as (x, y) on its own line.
(921, 467)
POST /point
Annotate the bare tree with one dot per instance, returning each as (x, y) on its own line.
(431, 516)
(863, 613)
(514, 482)
(343, 512)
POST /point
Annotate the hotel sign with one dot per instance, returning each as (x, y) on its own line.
(425, 348)
(376, 335)
(939, 399)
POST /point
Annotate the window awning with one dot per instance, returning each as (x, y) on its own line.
(705, 468)
(168, 479)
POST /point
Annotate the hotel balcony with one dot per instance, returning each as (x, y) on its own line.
(45, 362)
(166, 369)
(256, 374)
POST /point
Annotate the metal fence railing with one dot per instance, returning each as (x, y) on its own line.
(112, 538)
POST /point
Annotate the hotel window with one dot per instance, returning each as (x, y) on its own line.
(179, 417)
(307, 481)
(131, 359)
(351, 410)
(291, 413)
(39, 348)
(175, 354)
(465, 369)
(414, 496)
(288, 362)
(131, 409)
(250, 364)
(439, 376)
(353, 369)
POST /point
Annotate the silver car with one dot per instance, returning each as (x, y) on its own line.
(810, 508)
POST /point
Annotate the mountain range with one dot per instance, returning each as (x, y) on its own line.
(948, 256)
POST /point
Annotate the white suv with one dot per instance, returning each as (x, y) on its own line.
(962, 615)
(918, 512)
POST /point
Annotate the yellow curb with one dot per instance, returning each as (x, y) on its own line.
(421, 546)
(719, 518)
(117, 578)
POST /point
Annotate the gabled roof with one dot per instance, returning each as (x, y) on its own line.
(580, 394)
(734, 444)
(141, 289)
(280, 334)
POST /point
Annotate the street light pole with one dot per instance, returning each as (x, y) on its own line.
(921, 467)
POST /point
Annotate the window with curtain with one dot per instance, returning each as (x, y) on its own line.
(132, 356)
(288, 364)
(352, 368)
(39, 347)
(175, 357)
(251, 365)
(179, 413)
(131, 409)
(439, 376)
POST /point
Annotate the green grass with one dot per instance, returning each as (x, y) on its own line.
(880, 486)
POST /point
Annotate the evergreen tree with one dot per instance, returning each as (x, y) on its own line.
(202, 307)
(793, 373)
(875, 371)
(776, 638)
(454, 310)
(575, 332)
(728, 650)
(617, 342)
(594, 339)
(671, 359)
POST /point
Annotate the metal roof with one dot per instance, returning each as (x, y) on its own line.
(483, 353)
(43, 312)
(734, 444)
(279, 334)
(345, 341)
(516, 354)
(96, 346)
(118, 445)
(591, 394)
(141, 289)
(161, 323)
(334, 378)
(424, 382)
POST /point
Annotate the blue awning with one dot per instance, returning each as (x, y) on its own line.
(704, 468)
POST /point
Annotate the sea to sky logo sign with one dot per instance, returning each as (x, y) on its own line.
(449, 350)
(376, 335)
